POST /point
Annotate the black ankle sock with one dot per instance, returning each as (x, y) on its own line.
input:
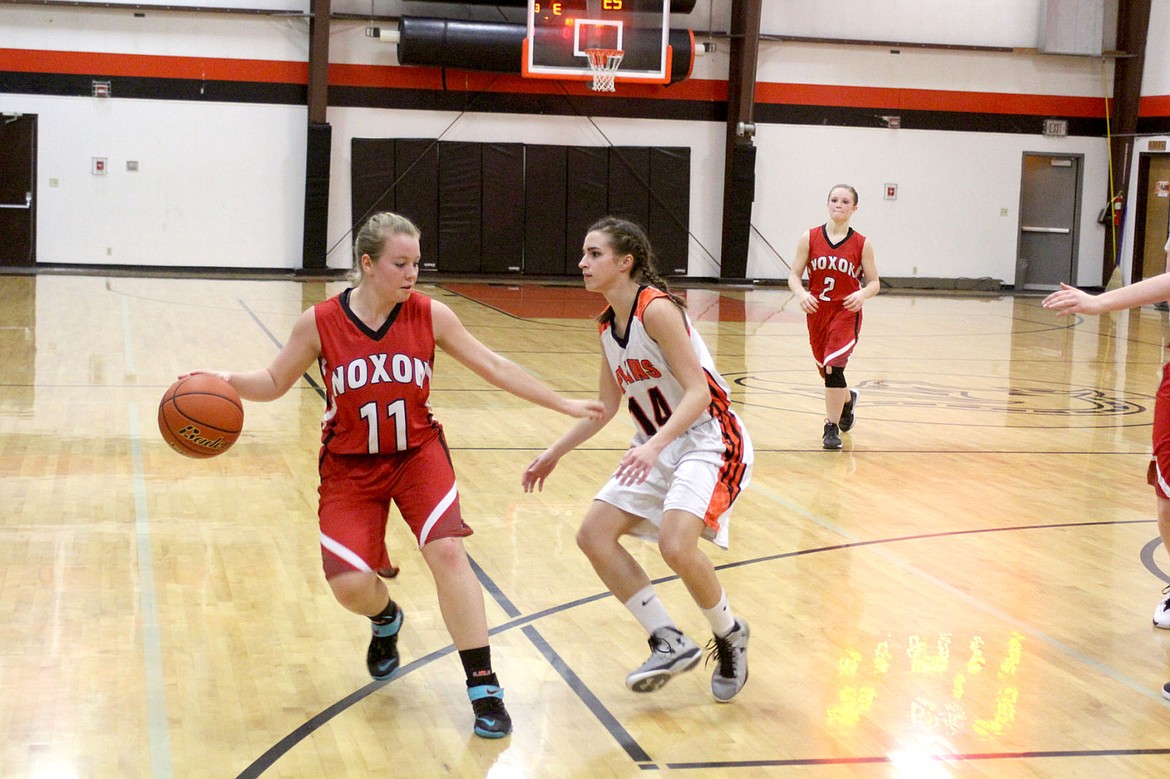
(386, 615)
(477, 664)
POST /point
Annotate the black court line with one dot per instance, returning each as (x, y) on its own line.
(1147, 557)
(493, 590)
(278, 750)
(312, 382)
(921, 536)
(622, 736)
(607, 720)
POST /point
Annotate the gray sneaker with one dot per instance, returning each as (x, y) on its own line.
(831, 438)
(730, 654)
(671, 653)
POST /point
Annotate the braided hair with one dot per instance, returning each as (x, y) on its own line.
(626, 237)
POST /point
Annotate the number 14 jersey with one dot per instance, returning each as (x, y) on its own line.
(652, 391)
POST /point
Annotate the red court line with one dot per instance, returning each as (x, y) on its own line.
(529, 301)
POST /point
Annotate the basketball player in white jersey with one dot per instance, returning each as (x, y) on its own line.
(688, 461)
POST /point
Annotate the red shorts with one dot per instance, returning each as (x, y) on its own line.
(1158, 474)
(356, 491)
(832, 334)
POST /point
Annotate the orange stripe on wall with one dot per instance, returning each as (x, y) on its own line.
(698, 90)
(154, 66)
(1154, 105)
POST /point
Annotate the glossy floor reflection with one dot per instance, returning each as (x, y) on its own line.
(965, 590)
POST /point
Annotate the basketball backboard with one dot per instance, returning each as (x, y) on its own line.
(560, 32)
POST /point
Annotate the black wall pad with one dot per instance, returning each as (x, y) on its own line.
(740, 193)
(629, 183)
(372, 177)
(545, 202)
(316, 225)
(416, 194)
(669, 207)
(511, 208)
(460, 216)
(503, 208)
(588, 198)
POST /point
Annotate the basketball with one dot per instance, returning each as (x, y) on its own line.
(200, 416)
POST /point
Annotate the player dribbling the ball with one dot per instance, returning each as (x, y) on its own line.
(375, 344)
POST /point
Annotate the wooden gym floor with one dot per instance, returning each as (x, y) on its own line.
(965, 590)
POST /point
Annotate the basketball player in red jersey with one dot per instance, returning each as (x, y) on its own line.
(375, 347)
(1070, 300)
(837, 258)
(689, 459)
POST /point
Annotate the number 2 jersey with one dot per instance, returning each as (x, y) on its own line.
(377, 383)
(834, 270)
(652, 392)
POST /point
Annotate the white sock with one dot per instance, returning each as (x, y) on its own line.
(720, 618)
(648, 610)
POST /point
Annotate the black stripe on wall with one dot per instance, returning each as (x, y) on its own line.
(956, 121)
(145, 88)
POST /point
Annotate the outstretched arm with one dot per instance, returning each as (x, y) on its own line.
(1070, 300)
(543, 465)
(297, 356)
(454, 339)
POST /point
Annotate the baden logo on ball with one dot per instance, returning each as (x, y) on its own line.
(200, 416)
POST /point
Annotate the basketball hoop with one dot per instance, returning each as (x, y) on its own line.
(604, 64)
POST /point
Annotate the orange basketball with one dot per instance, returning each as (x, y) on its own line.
(200, 416)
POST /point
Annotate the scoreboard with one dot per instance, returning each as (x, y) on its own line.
(560, 32)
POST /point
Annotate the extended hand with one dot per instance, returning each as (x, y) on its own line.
(636, 464)
(537, 472)
(225, 375)
(1069, 300)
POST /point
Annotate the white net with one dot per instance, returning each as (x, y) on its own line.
(604, 64)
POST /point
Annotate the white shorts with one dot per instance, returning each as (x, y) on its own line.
(698, 473)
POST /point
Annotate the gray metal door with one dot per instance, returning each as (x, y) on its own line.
(1050, 196)
(18, 166)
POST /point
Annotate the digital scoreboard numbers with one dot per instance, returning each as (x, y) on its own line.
(561, 31)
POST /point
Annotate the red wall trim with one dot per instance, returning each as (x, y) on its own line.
(154, 66)
(384, 76)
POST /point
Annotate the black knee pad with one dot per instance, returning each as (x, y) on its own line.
(835, 377)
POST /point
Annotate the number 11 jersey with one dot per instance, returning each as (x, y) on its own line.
(377, 383)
